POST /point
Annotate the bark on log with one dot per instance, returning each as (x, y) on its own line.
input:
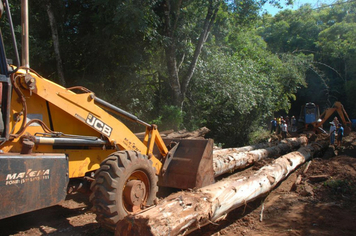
(200, 133)
(226, 151)
(183, 212)
(225, 162)
(196, 134)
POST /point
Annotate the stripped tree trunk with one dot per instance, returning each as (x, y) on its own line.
(183, 212)
(243, 149)
(232, 160)
(251, 147)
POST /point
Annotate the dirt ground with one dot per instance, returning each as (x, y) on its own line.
(324, 203)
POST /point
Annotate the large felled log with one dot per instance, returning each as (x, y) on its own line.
(228, 161)
(226, 151)
(248, 148)
(184, 212)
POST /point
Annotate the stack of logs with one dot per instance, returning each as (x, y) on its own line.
(184, 212)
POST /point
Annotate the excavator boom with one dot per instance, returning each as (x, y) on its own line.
(339, 109)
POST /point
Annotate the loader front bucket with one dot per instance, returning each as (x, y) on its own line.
(191, 165)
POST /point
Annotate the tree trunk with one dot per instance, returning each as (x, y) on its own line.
(54, 30)
(251, 147)
(173, 76)
(180, 84)
(170, 50)
(208, 23)
(228, 162)
(226, 151)
(184, 212)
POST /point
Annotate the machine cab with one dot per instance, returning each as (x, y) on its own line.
(311, 112)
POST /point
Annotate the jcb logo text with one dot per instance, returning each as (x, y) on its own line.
(98, 125)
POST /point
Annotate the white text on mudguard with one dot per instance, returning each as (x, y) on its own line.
(28, 176)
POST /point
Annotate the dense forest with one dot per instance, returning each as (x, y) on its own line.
(226, 65)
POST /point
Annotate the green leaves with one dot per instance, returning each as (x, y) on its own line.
(322, 45)
(339, 39)
(236, 89)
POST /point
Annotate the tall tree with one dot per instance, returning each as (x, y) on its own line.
(55, 39)
(171, 22)
(176, 16)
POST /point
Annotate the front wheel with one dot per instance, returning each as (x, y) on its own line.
(125, 183)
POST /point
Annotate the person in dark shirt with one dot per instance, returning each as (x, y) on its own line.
(273, 125)
(340, 134)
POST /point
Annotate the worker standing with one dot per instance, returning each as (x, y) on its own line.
(340, 134)
(273, 125)
(336, 122)
(332, 133)
(294, 124)
(279, 123)
(284, 129)
(287, 121)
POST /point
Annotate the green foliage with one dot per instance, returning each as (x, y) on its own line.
(259, 135)
(171, 118)
(338, 42)
(341, 186)
(326, 36)
(235, 91)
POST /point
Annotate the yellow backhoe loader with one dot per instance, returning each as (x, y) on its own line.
(339, 109)
(313, 121)
(54, 140)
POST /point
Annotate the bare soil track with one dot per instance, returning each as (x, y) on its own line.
(324, 203)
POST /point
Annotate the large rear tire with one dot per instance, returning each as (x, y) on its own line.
(125, 183)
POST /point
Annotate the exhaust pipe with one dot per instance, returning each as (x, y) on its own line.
(25, 59)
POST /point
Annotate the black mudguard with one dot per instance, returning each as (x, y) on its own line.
(31, 182)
